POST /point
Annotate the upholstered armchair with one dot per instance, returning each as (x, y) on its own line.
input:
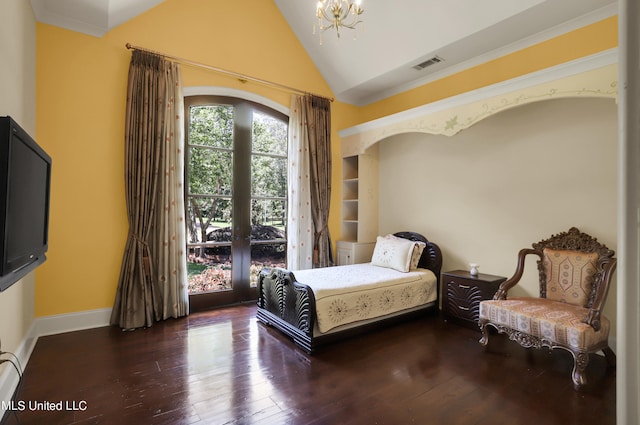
(575, 271)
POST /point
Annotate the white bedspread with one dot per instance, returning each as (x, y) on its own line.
(347, 294)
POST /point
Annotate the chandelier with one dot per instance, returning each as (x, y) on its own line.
(337, 14)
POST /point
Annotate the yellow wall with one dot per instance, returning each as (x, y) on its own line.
(81, 89)
(81, 85)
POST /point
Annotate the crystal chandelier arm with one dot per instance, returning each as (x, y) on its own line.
(336, 13)
(356, 11)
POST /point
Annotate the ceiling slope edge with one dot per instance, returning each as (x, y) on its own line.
(90, 17)
(592, 76)
(97, 25)
(558, 30)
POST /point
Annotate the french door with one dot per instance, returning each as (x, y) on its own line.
(236, 197)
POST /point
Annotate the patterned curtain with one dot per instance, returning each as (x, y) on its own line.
(153, 283)
(300, 222)
(318, 115)
(169, 234)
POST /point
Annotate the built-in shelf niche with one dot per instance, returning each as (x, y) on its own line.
(359, 196)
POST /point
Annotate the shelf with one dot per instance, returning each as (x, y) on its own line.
(359, 197)
(350, 211)
(350, 168)
(350, 189)
(350, 230)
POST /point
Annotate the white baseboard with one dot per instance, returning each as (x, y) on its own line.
(42, 326)
(9, 377)
(60, 323)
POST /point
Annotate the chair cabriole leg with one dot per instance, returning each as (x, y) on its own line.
(485, 334)
(580, 361)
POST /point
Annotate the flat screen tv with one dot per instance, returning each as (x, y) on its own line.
(25, 178)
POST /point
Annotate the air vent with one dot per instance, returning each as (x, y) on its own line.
(434, 60)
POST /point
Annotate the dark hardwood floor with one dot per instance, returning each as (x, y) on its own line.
(223, 367)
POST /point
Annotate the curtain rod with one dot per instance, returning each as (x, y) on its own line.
(243, 78)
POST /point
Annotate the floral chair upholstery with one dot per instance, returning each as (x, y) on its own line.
(575, 271)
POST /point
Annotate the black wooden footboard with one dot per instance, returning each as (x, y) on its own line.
(287, 305)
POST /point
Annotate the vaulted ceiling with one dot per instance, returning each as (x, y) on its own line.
(379, 58)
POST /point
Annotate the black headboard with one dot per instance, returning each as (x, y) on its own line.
(431, 256)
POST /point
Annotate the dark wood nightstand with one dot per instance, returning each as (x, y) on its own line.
(462, 293)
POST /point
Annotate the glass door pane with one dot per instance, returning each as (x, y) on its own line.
(268, 194)
(236, 175)
(209, 259)
(268, 236)
(209, 198)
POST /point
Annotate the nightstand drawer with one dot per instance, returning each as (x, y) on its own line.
(465, 290)
(462, 309)
(463, 300)
(462, 294)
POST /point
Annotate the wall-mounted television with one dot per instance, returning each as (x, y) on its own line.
(25, 179)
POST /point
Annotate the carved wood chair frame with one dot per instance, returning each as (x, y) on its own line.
(573, 240)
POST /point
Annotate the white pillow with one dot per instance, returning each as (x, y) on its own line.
(393, 253)
(417, 254)
(417, 250)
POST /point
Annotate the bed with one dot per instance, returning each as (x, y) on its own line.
(317, 306)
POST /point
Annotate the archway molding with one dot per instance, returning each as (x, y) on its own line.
(596, 76)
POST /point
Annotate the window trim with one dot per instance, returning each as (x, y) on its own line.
(241, 94)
